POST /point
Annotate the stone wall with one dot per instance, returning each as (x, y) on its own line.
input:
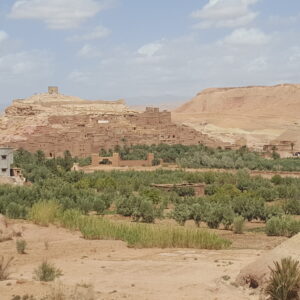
(280, 146)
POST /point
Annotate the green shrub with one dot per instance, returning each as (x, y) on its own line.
(46, 272)
(292, 206)
(211, 189)
(144, 212)
(276, 179)
(21, 246)
(282, 226)
(228, 217)
(184, 191)
(217, 214)
(99, 206)
(214, 218)
(238, 225)
(141, 208)
(154, 195)
(155, 162)
(85, 161)
(197, 213)
(15, 211)
(126, 205)
(181, 213)
(284, 281)
(44, 213)
(275, 155)
(249, 207)
(272, 211)
(268, 194)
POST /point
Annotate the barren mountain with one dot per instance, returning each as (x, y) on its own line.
(254, 115)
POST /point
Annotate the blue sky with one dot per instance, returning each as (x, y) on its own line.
(145, 51)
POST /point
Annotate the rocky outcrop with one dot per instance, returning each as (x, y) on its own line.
(58, 104)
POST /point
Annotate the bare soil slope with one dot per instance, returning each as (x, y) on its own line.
(255, 114)
(258, 271)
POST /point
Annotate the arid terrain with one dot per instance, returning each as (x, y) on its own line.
(111, 270)
(54, 123)
(258, 117)
(255, 116)
(149, 150)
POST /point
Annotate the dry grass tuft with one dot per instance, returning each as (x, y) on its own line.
(5, 267)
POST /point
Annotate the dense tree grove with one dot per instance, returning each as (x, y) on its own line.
(129, 193)
(200, 156)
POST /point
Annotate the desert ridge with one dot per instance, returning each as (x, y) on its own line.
(260, 116)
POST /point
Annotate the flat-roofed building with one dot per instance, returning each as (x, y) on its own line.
(6, 161)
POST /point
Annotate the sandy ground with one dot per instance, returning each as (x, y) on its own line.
(118, 272)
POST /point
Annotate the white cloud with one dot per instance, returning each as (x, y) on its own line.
(247, 37)
(225, 13)
(294, 57)
(79, 77)
(98, 32)
(184, 66)
(257, 65)
(58, 14)
(89, 51)
(284, 20)
(24, 65)
(149, 50)
(3, 36)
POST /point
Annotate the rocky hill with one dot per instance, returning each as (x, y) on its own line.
(25, 116)
(254, 115)
(54, 123)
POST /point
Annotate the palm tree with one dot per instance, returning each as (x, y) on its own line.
(292, 146)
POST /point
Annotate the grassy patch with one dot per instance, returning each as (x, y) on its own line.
(150, 236)
(135, 234)
(44, 213)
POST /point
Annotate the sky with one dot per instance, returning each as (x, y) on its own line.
(145, 52)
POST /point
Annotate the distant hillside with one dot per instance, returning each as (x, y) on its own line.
(256, 114)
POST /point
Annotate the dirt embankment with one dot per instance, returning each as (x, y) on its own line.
(257, 273)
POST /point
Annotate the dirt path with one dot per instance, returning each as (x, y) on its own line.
(117, 272)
